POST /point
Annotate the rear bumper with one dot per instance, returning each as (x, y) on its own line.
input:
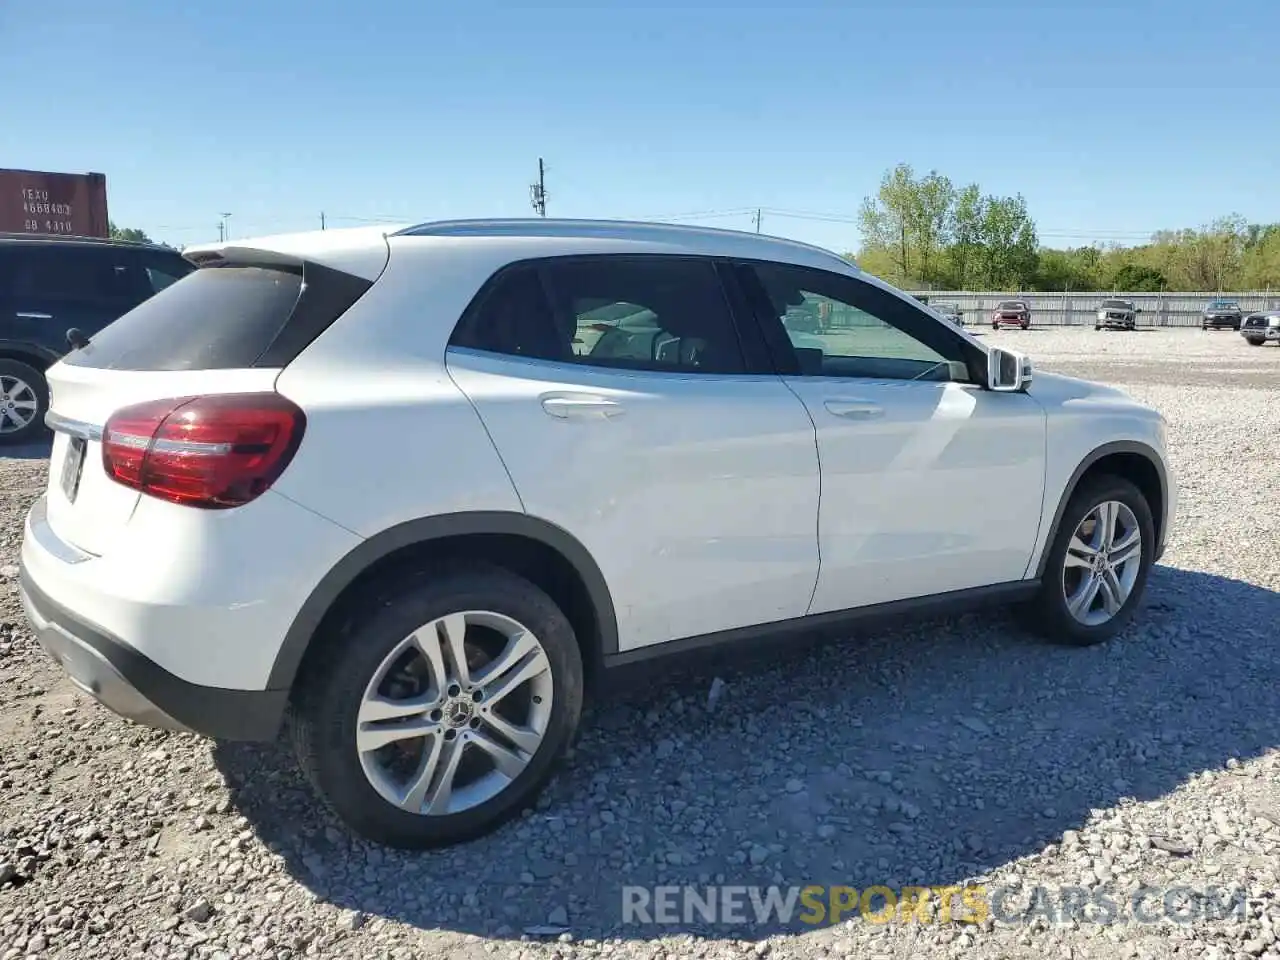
(128, 683)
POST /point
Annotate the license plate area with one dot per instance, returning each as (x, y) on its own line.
(73, 468)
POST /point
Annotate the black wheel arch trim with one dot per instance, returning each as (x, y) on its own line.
(424, 530)
(27, 349)
(1108, 449)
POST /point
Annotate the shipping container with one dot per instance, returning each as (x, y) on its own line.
(60, 204)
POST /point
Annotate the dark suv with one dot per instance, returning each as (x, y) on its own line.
(1117, 315)
(1221, 313)
(52, 285)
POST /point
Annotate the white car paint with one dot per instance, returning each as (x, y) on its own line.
(702, 503)
(913, 475)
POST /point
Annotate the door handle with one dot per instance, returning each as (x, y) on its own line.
(582, 408)
(854, 409)
(30, 315)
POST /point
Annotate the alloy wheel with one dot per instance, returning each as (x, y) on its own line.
(454, 713)
(1102, 562)
(18, 404)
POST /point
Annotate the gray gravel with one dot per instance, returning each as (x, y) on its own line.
(940, 753)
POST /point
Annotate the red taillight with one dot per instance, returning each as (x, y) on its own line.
(214, 452)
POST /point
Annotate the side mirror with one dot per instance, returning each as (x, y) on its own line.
(1007, 371)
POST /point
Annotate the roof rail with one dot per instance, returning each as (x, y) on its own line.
(567, 227)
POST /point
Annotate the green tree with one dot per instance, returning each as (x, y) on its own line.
(132, 234)
(889, 219)
(966, 232)
(1137, 278)
(935, 199)
(1008, 249)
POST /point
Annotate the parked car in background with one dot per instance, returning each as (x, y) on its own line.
(1011, 313)
(949, 311)
(1117, 315)
(1221, 313)
(51, 286)
(1262, 326)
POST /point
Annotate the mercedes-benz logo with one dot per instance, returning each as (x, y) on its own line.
(457, 713)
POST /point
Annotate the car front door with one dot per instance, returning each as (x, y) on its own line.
(632, 411)
(930, 483)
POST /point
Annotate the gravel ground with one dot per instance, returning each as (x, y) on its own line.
(951, 752)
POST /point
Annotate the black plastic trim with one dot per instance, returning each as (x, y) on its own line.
(326, 295)
(252, 715)
(952, 602)
(1106, 450)
(31, 350)
(425, 530)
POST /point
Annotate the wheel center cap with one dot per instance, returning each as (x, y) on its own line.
(458, 713)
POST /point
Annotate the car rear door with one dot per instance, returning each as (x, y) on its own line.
(930, 483)
(671, 450)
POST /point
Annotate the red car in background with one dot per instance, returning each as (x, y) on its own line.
(1011, 313)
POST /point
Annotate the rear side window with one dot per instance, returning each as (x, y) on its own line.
(225, 316)
(640, 313)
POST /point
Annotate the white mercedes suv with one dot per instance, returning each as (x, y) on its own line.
(407, 493)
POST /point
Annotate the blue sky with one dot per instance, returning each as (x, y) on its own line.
(1113, 119)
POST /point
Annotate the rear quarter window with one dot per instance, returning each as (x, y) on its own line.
(223, 317)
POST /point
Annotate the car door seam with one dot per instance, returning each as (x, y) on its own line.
(485, 427)
(1044, 492)
(817, 522)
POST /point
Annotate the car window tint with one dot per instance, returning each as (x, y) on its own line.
(512, 317)
(649, 313)
(163, 271)
(57, 272)
(219, 317)
(841, 327)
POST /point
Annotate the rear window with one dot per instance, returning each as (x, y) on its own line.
(224, 317)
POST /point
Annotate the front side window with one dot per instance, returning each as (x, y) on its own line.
(856, 329)
(642, 313)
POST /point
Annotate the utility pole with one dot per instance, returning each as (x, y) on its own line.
(538, 191)
(321, 219)
(757, 219)
(224, 233)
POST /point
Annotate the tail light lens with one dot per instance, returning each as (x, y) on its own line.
(212, 452)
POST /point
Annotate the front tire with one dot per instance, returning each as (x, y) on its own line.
(1097, 566)
(1254, 341)
(24, 400)
(438, 710)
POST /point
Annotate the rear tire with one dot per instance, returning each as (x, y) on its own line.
(1027, 325)
(374, 674)
(1065, 577)
(24, 400)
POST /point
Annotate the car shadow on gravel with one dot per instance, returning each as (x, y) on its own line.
(927, 754)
